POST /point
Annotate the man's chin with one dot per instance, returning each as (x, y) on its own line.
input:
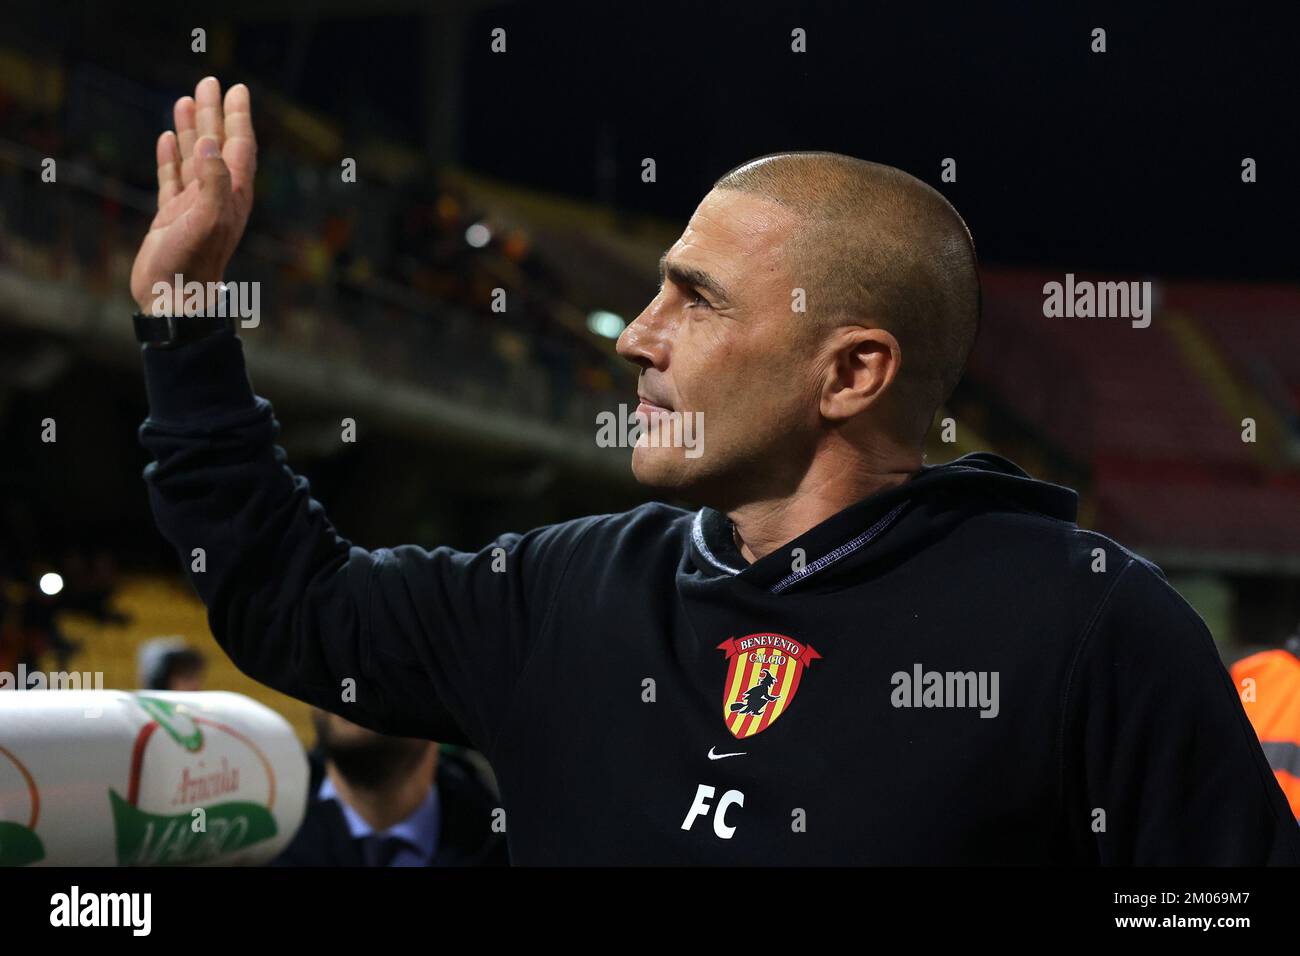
(674, 476)
(663, 469)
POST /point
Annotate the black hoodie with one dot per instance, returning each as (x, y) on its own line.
(951, 671)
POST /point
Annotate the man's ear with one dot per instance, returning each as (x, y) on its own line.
(862, 366)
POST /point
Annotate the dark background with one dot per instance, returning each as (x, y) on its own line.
(1128, 160)
(1125, 164)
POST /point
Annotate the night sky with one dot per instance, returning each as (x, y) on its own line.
(1128, 160)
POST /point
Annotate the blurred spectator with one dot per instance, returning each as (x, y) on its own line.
(1272, 702)
(392, 801)
(168, 663)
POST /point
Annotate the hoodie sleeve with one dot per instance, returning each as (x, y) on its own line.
(1159, 764)
(405, 641)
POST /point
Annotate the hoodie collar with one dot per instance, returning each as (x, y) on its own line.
(901, 518)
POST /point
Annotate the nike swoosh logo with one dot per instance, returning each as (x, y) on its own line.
(713, 756)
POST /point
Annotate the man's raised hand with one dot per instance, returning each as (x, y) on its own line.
(205, 192)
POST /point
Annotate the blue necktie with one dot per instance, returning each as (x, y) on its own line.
(379, 849)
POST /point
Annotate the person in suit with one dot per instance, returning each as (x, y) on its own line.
(375, 800)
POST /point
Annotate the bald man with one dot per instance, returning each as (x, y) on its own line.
(844, 656)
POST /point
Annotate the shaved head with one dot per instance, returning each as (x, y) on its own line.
(881, 249)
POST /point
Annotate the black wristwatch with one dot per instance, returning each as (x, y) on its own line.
(169, 331)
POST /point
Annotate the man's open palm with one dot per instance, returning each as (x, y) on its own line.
(205, 191)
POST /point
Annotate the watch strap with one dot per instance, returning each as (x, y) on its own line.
(169, 331)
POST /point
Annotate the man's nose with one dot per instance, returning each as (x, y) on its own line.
(643, 342)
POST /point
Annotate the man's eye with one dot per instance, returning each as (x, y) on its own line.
(695, 299)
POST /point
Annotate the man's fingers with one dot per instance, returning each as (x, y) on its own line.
(169, 168)
(240, 149)
(207, 113)
(186, 137)
(214, 177)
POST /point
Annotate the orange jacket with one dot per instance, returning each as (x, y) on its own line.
(1269, 686)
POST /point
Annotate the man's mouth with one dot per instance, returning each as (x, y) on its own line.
(650, 406)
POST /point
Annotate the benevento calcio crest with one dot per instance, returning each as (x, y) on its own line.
(763, 674)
